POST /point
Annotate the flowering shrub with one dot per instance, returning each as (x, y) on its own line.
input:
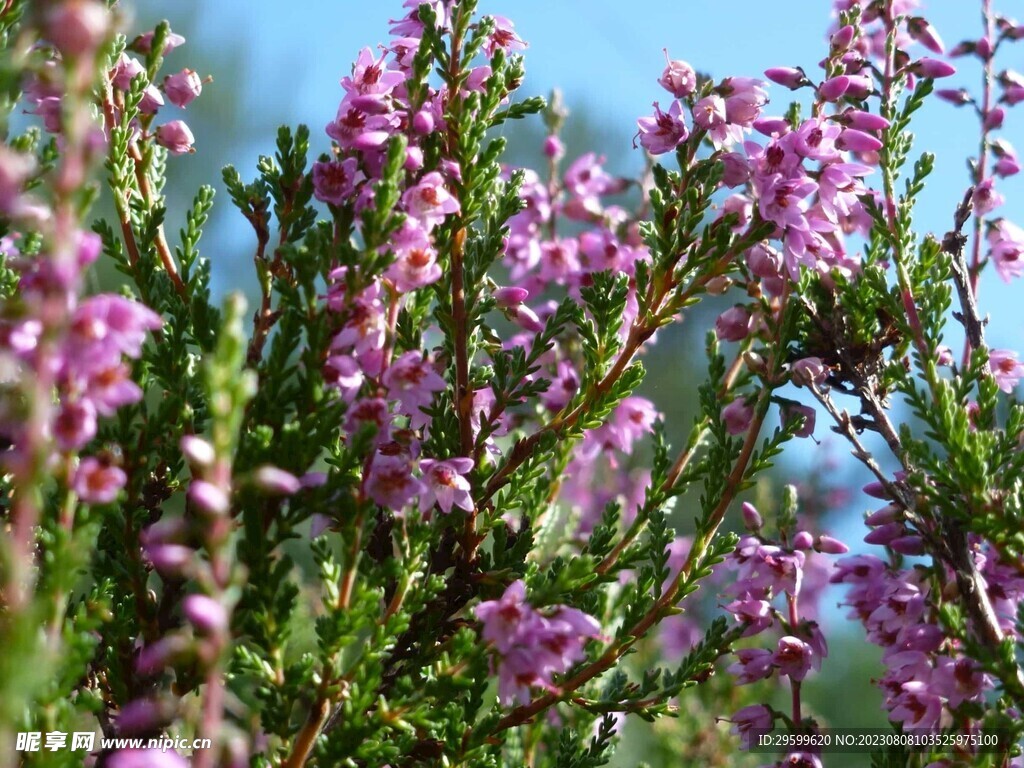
(417, 513)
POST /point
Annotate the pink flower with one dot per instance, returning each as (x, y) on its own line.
(415, 263)
(356, 128)
(664, 131)
(756, 717)
(1006, 244)
(176, 137)
(126, 69)
(183, 87)
(793, 657)
(369, 75)
(504, 37)
(754, 664)
(97, 482)
(412, 381)
(917, 707)
(808, 370)
(1006, 368)
(737, 416)
(144, 42)
(445, 484)
(429, 202)
(744, 97)
(502, 618)
(986, 197)
(391, 483)
(335, 181)
(75, 424)
(678, 77)
(733, 324)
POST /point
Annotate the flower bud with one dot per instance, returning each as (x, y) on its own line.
(718, 285)
(751, 517)
(958, 97)
(510, 296)
(803, 540)
(170, 559)
(884, 534)
(423, 122)
(842, 38)
(790, 77)
(912, 546)
(932, 68)
(833, 89)
(209, 497)
(198, 452)
(554, 148)
(275, 481)
(887, 514)
(994, 119)
(857, 141)
(830, 546)
(205, 614)
(921, 30)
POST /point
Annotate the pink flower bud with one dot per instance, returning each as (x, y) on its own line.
(922, 31)
(833, 89)
(860, 87)
(806, 414)
(154, 657)
(183, 88)
(887, 514)
(1006, 166)
(77, 27)
(912, 546)
(733, 324)
(932, 68)
(554, 148)
(678, 78)
(209, 497)
(751, 517)
(883, 534)
(963, 48)
(983, 49)
(170, 559)
(423, 122)
(994, 119)
(769, 126)
(857, 141)
(955, 96)
(510, 296)
(198, 452)
(413, 158)
(830, 546)
(790, 77)
(876, 490)
(176, 137)
(862, 121)
(842, 38)
(275, 481)
(803, 540)
(205, 614)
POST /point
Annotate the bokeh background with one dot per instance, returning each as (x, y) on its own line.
(279, 62)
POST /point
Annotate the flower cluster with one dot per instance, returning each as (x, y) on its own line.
(532, 646)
